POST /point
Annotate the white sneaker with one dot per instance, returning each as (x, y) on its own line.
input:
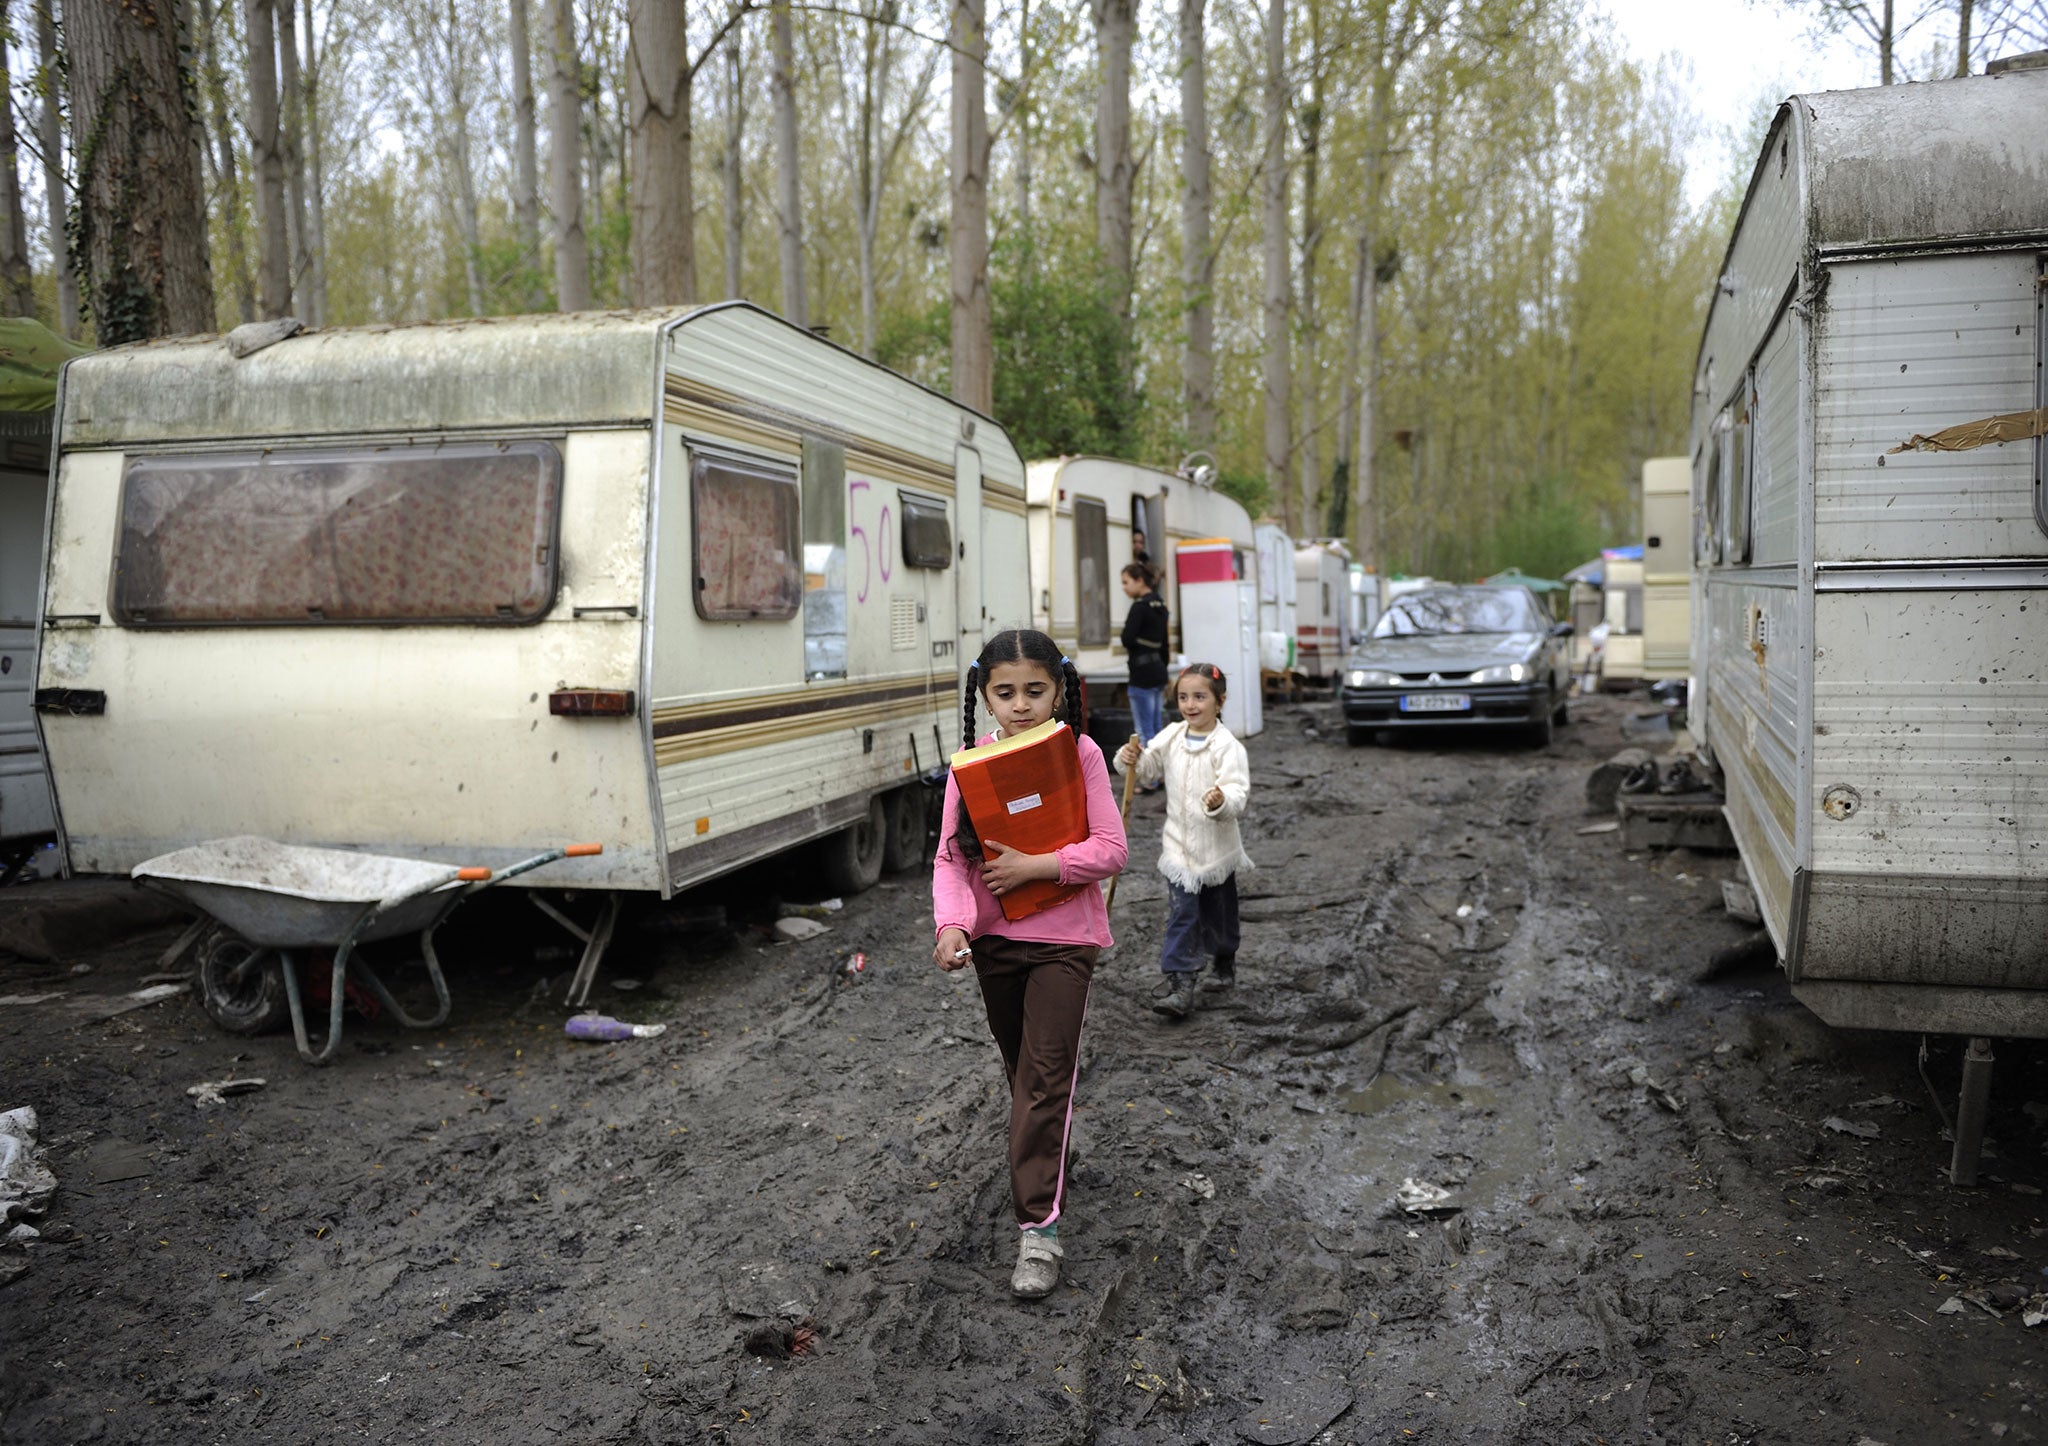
(1038, 1266)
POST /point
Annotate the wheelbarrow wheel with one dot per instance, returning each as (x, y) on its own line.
(241, 986)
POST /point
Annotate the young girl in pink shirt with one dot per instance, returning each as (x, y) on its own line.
(1033, 972)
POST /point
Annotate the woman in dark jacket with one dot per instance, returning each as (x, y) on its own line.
(1145, 644)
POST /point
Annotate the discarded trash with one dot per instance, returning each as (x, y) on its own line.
(2036, 1312)
(1202, 1185)
(797, 927)
(1419, 1197)
(1875, 1102)
(1999, 1252)
(1655, 1088)
(25, 1185)
(603, 1026)
(1952, 1306)
(626, 984)
(1464, 911)
(778, 1340)
(216, 1091)
(1609, 825)
(1861, 1129)
(22, 1234)
(1739, 899)
(823, 909)
(30, 998)
(857, 964)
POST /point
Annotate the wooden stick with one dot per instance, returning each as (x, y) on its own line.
(1130, 782)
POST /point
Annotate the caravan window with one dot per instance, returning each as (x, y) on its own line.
(459, 533)
(1706, 501)
(1091, 571)
(1739, 463)
(927, 540)
(748, 557)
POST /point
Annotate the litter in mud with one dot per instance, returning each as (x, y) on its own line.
(1655, 1089)
(1202, 1185)
(30, 998)
(795, 926)
(1419, 1197)
(823, 909)
(604, 1027)
(216, 1091)
(1739, 899)
(778, 1340)
(628, 985)
(26, 1185)
(1861, 1129)
(1609, 825)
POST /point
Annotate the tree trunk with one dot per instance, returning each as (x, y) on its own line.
(1021, 112)
(315, 300)
(1197, 262)
(1274, 184)
(141, 241)
(266, 152)
(50, 129)
(874, 83)
(16, 288)
(1311, 468)
(1365, 461)
(789, 217)
(227, 174)
(525, 157)
(565, 159)
(733, 168)
(1963, 9)
(1115, 23)
(1884, 46)
(973, 371)
(292, 111)
(467, 224)
(664, 208)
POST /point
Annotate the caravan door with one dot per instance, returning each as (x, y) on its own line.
(25, 807)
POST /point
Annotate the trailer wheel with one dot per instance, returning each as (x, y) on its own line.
(1357, 735)
(852, 858)
(1562, 713)
(905, 846)
(1542, 731)
(241, 986)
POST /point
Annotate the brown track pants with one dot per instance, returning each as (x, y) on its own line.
(1036, 996)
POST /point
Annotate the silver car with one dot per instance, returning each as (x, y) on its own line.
(1459, 656)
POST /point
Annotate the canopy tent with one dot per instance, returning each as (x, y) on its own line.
(1515, 577)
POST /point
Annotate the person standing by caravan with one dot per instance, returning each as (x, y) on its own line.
(1208, 781)
(1034, 972)
(1145, 640)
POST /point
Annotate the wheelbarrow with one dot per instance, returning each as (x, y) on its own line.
(270, 899)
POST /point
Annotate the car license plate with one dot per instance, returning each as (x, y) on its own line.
(1436, 702)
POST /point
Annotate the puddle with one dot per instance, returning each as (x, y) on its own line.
(1387, 1091)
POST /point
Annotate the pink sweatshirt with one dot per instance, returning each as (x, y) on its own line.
(960, 901)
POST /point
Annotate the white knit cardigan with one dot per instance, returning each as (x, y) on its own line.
(1202, 846)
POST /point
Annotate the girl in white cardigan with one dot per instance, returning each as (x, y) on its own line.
(1208, 780)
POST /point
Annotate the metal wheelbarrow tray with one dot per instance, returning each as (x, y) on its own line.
(273, 898)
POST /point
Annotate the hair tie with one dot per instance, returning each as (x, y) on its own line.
(1063, 661)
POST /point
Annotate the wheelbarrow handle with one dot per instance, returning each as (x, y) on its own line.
(583, 851)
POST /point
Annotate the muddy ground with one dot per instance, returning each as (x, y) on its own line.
(491, 1233)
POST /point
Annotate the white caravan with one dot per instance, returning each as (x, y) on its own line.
(28, 820)
(1322, 579)
(1667, 568)
(1276, 598)
(697, 585)
(1872, 565)
(1085, 512)
(1621, 601)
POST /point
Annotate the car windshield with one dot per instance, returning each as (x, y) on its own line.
(1466, 610)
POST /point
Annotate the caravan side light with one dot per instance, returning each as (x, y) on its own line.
(591, 703)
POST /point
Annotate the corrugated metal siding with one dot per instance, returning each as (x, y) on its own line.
(1933, 706)
(1754, 699)
(1763, 258)
(1911, 346)
(1774, 537)
(764, 359)
(588, 368)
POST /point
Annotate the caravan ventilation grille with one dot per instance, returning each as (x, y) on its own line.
(903, 624)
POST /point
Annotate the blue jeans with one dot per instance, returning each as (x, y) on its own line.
(1200, 926)
(1148, 710)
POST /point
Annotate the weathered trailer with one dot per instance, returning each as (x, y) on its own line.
(1871, 562)
(1667, 568)
(1086, 514)
(699, 585)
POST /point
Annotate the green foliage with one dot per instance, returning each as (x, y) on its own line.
(1546, 532)
(1247, 489)
(1063, 358)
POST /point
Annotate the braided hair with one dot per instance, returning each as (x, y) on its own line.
(1015, 645)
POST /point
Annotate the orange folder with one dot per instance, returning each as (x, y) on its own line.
(1025, 793)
